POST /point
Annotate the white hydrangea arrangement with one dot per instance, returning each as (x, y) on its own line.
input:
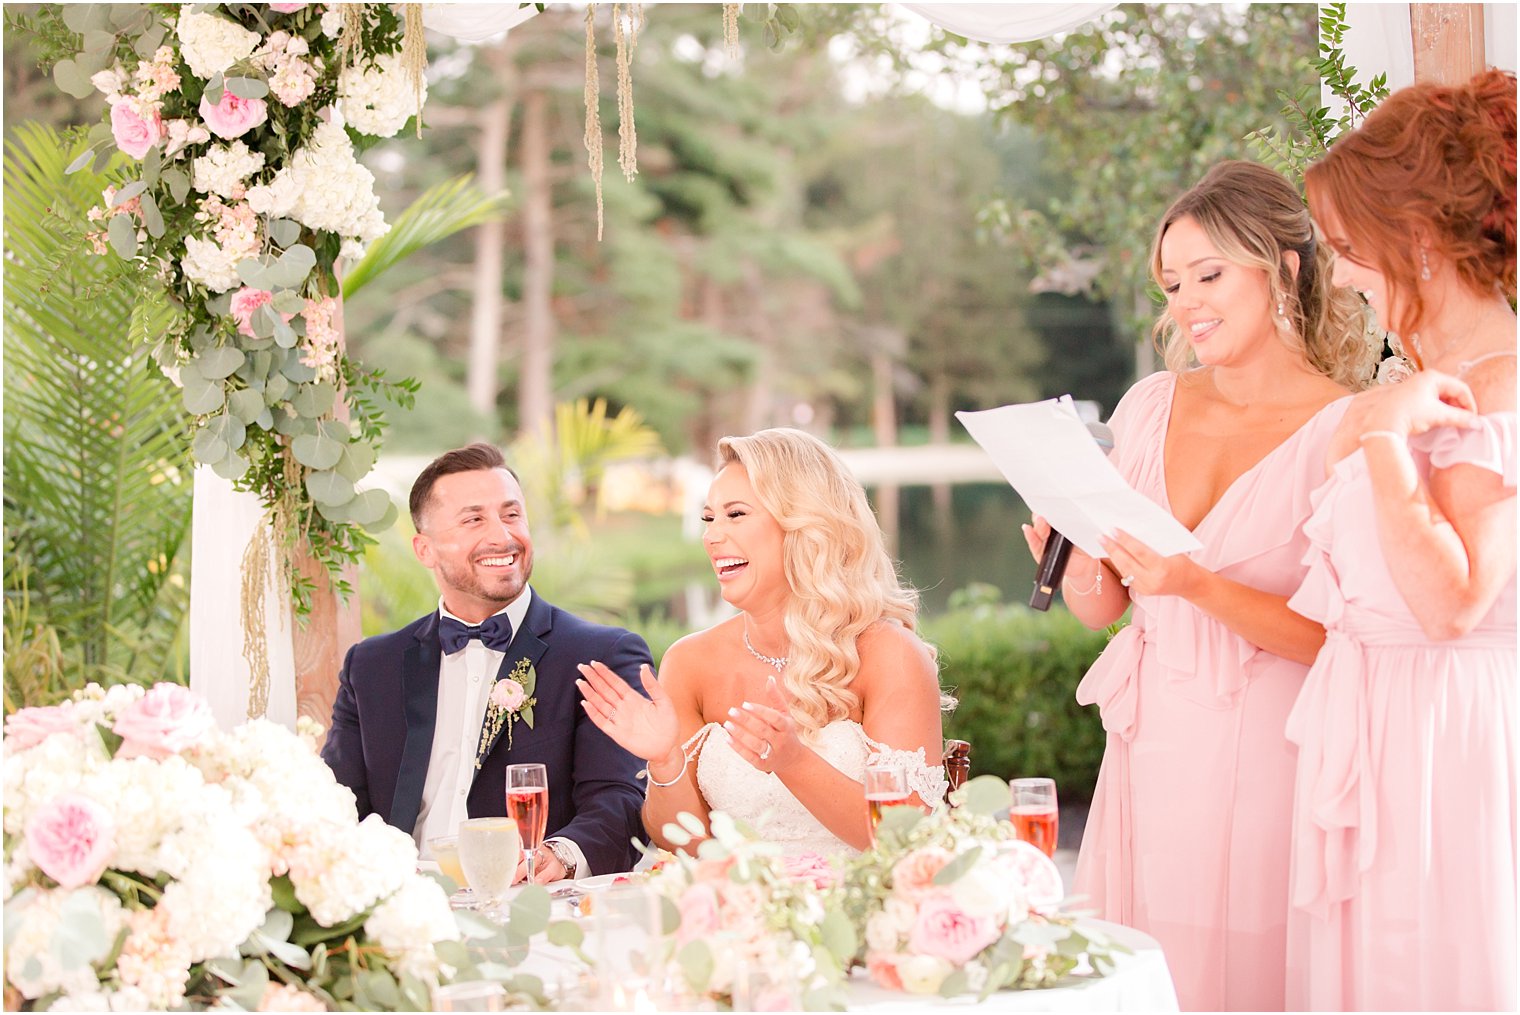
(155, 861)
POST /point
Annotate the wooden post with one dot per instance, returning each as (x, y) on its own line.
(1448, 41)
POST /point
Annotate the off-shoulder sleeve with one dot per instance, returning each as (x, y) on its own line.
(1491, 446)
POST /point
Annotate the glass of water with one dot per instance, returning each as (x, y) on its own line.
(489, 849)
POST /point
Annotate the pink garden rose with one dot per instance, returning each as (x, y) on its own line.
(286, 8)
(810, 867)
(232, 117)
(165, 721)
(29, 727)
(1037, 873)
(945, 930)
(883, 969)
(698, 907)
(135, 134)
(244, 302)
(508, 694)
(913, 875)
(71, 839)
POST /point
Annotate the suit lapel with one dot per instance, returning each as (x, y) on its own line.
(529, 644)
(419, 687)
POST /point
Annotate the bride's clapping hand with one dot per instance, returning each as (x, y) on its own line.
(764, 734)
(646, 727)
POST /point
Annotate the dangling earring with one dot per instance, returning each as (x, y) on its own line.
(1424, 266)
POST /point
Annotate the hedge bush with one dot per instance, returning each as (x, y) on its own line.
(1016, 672)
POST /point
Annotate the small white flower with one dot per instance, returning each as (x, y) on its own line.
(379, 98)
(210, 44)
(223, 169)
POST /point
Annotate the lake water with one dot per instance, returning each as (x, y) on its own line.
(975, 538)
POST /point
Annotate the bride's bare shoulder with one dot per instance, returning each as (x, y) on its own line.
(891, 654)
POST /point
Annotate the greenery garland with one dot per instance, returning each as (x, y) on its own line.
(244, 120)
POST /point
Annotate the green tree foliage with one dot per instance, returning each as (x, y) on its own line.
(96, 502)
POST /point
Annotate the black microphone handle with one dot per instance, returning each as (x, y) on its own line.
(1052, 567)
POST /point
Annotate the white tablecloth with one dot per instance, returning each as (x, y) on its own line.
(1139, 982)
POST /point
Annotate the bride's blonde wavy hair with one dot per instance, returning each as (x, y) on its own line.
(1254, 216)
(835, 561)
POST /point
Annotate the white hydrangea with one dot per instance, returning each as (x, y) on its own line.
(881, 933)
(33, 965)
(344, 869)
(987, 890)
(332, 21)
(324, 187)
(210, 44)
(223, 896)
(149, 801)
(379, 98)
(223, 169)
(57, 765)
(407, 924)
(206, 262)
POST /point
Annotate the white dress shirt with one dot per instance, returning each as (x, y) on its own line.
(465, 679)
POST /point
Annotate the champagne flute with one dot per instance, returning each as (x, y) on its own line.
(528, 805)
(1034, 814)
(886, 785)
(488, 852)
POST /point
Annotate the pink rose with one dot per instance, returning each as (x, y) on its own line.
(913, 875)
(286, 8)
(71, 839)
(232, 117)
(507, 694)
(29, 727)
(883, 969)
(135, 134)
(945, 930)
(165, 721)
(698, 907)
(1037, 873)
(809, 867)
(244, 302)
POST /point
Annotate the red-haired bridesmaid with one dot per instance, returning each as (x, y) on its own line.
(1404, 859)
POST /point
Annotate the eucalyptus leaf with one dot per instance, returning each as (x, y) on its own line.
(696, 960)
(251, 986)
(263, 321)
(80, 938)
(334, 512)
(200, 395)
(284, 232)
(152, 219)
(284, 335)
(368, 508)
(289, 425)
(229, 429)
(80, 161)
(329, 488)
(178, 183)
(128, 192)
(255, 273)
(276, 387)
(208, 447)
(358, 459)
(152, 163)
(380, 987)
(219, 361)
(123, 237)
(264, 420)
(317, 451)
(287, 302)
(214, 89)
(838, 935)
(148, 42)
(97, 43)
(293, 266)
(71, 78)
(297, 371)
(81, 18)
(315, 400)
(246, 404)
(566, 934)
(217, 306)
(987, 794)
(247, 88)
(952, 871)
(528, 913)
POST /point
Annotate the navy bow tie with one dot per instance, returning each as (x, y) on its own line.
(495, 631)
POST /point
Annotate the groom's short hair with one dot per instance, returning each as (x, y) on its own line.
(476, 457)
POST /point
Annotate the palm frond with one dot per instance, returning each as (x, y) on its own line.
(440, 212)
(97, 491)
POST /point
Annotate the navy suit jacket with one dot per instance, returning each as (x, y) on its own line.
(382, 731)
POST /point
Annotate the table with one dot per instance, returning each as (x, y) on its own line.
(1139, 982)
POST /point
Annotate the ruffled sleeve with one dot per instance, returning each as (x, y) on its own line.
(1491, 446)
(1139, 425)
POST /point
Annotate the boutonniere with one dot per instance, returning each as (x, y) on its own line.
(511, 699)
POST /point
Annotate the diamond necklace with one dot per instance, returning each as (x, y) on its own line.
(778, 663)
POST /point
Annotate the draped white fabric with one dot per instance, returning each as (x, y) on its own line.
(1008, 22)
(474, 22)
(223, 522)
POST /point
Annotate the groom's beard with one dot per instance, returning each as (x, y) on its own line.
(492, 585)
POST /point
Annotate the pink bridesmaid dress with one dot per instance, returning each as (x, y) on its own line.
(1187, 838)
(1403, 878)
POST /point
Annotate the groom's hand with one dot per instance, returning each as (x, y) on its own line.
(547, 868)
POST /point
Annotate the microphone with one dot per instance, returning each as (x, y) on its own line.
(1058, 548)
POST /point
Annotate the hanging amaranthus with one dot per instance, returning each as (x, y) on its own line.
(593, 136)
(628, 135)
(731, 30)
(414, 53)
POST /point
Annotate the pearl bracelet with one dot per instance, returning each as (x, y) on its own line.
(1095, 588)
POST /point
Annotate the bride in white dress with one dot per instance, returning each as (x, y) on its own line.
(772, 715)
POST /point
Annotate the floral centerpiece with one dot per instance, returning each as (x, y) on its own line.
(746, 919)
(154, 861)
(952, 903)
(244, 121)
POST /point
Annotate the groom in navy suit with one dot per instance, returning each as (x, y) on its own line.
(412, 729)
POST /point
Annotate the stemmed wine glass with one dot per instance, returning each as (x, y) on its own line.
(1034, 814)
(886, 785)
(528, 805)
(488, 852)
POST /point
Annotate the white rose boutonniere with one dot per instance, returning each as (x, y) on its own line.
(511, 699)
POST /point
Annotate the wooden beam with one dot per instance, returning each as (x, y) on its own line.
(1448, 41)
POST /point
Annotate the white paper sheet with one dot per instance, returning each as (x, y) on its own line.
(1048, 456)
